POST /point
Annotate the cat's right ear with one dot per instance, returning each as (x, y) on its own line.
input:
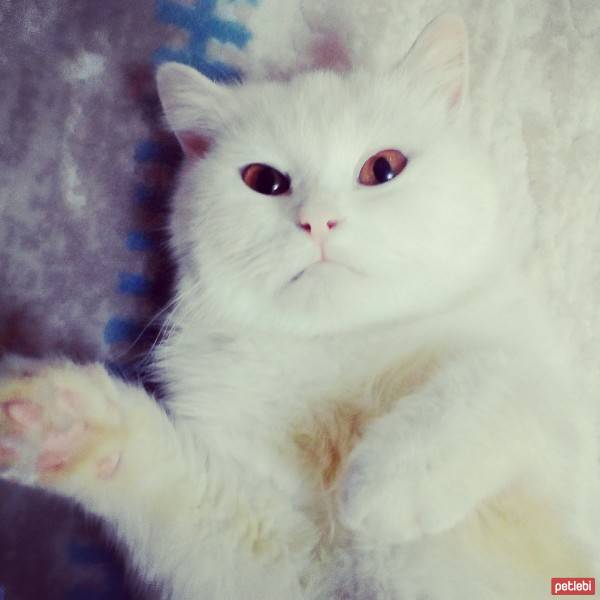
(193, 105)
(439, 61)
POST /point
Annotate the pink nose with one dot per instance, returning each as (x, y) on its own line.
(317, 223)
(309, 228)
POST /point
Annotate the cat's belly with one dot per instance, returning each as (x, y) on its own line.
(513, 532)
(509, 547)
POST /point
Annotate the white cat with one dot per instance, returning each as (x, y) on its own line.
(366, 396)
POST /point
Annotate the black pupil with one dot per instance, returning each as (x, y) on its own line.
(269, 181)
(382, 170)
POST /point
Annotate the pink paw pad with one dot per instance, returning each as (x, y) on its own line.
(23, 413)
(7, 454)
(59, 447)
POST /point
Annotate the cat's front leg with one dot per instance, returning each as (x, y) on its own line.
(470, 431)
(200, 524)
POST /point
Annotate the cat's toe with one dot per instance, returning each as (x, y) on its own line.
(398, 501)
(367, 509)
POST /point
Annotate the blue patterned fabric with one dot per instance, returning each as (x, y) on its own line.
(202, 24)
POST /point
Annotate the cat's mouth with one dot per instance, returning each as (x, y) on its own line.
(325, 264)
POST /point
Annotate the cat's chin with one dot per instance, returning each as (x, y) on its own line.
(327, 298)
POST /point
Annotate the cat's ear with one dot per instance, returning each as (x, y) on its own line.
(193, 105)
(439, 59)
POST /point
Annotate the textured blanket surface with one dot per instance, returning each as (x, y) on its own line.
(70, 118)
(85, 171)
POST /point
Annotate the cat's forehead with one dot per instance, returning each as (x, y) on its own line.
(324, 116)
(315, 98)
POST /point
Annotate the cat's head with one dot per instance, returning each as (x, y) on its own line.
(331, 202)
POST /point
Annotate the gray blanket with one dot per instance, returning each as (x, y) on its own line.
(84, 173)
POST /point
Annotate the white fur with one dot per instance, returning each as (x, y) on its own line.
(478, 476)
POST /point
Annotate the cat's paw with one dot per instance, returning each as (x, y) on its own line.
(59, 421)
(400, 492)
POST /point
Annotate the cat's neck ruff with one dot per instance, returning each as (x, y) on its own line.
(492, 313)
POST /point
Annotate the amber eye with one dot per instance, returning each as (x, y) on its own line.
(382, 167)
(265, 179)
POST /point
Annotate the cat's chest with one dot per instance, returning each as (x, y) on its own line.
(322, 436)
(297, 412)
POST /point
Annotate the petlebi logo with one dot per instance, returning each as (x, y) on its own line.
(573, 586)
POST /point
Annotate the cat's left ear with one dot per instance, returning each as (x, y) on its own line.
(193, 105)
(439, 60)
